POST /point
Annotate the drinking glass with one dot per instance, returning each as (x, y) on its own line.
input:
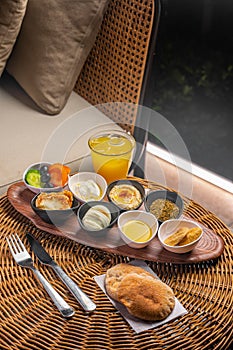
(112, 153)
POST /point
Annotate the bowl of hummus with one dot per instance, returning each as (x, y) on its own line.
(126, 194)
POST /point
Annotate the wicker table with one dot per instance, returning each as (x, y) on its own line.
(28, 319)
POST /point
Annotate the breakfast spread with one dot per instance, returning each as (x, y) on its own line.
(144, 296)
(137, 230)
(88, 190)
(125, 196)
(97, 218)
(164, 209)
(54, 200)
(183, 236)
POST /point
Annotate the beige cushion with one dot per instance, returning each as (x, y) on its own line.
(29, 136)
(11, 17)
(54, 42)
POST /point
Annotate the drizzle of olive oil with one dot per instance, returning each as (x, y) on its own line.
(137, 231)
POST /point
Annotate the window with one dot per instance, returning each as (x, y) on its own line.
(192, 80)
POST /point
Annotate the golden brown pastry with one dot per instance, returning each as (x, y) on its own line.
(176, 237)
(115, 275)
(54, 200)
(146, 298)
(191, 236)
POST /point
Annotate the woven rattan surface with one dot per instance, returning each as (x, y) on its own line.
(29, 320)
(115, 67)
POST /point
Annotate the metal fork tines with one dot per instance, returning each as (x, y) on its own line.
(23, 258)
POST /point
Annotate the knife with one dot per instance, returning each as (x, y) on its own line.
(86, 303)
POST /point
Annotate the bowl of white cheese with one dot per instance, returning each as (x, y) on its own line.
(95, 217)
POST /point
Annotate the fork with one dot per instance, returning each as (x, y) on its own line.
(23, 258)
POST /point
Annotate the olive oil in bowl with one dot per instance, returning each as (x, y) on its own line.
(137, 228)
(137, 231)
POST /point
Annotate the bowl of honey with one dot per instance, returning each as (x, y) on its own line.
(137, 228)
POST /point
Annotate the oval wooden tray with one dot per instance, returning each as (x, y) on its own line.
(210, 246)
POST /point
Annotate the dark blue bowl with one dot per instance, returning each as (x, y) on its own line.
(114, 211)
(55, 217)
(164, 194)
(133, 183)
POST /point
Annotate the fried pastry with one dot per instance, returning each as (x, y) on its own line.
(176, 237)
(191, 236)
(54, 200)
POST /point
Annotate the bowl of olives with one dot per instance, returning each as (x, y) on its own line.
(46, 177)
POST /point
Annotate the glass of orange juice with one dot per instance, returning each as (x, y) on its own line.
(112, 153)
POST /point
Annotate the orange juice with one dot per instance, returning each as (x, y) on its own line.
(112, 154)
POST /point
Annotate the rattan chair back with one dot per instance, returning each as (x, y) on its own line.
(116, 69)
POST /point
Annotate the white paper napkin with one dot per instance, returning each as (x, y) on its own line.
(140, 325)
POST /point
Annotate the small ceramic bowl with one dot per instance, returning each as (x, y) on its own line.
(37, 166)
(55, 217)
(133, 183)
(83, 177)
(114, 211)
(171, 226)
(137, 215)
(165, 195)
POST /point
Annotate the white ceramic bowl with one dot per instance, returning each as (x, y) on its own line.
(39, 189)
(84, 177)
(171, 226)
(140, 215)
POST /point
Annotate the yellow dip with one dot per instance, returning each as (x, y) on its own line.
(137, 231)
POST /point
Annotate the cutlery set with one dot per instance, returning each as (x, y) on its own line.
(23, 258)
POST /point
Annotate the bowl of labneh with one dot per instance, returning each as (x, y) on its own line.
(164, 205)
(137, 228)
(96, 216)
(87, 186)
(55, 207)
(126, 194)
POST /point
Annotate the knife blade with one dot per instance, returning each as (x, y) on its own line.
(86, 303)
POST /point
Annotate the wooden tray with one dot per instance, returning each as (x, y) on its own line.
(210, 246)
